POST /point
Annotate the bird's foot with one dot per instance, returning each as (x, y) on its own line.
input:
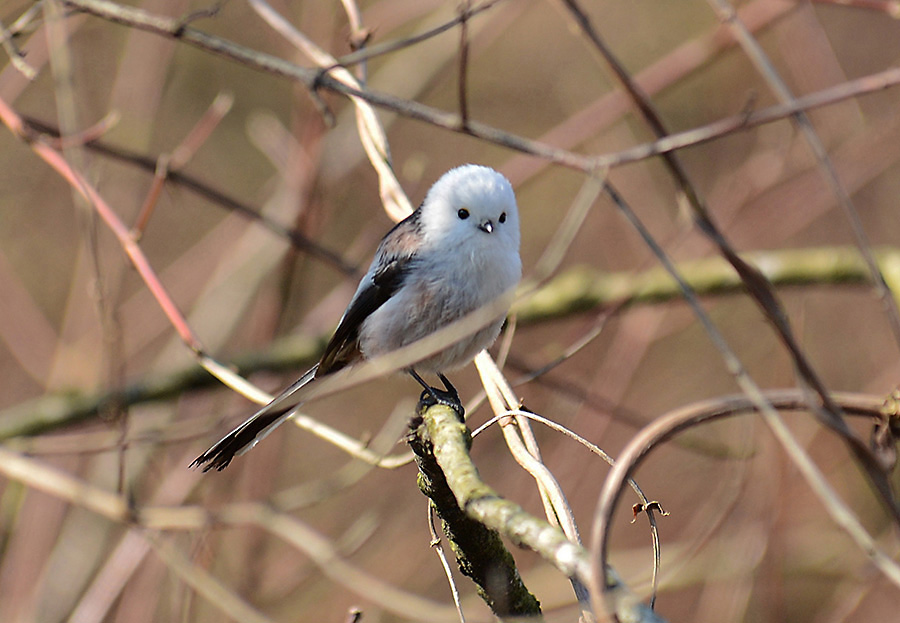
(434, 396)
(448, 396)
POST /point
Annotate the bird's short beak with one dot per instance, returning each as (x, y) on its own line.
(487, 226)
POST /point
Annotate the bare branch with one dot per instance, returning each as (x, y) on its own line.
(321, 80)
(195, 185)
(666, 426)
(727, 14)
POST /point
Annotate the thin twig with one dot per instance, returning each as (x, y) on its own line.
(180, 156)
(413, 110)
(646, 504)
(745, 121)
(82, 138)
(727, 14)
(380, 49)
(438, 548)
(462, 78)
(359, 37)
(207, 191)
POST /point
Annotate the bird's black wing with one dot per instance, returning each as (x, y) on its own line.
(342, 350)
(395, 257)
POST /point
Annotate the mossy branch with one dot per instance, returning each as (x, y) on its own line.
(585, 288)
(574, 291)
(54, 411)
(475, 516)
(479, 551)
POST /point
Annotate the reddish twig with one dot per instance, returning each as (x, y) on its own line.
(52, 157)
(180, 157)
(132, 249)
(180, 178)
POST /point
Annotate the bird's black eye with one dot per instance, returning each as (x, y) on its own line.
(463, 214)
(503, 217)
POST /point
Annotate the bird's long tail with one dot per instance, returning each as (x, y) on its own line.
(255, 428)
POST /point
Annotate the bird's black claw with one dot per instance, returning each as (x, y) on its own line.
(449, 398)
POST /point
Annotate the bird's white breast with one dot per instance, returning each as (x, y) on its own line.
(440, 289)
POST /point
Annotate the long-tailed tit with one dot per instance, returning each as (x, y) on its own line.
(456, 253)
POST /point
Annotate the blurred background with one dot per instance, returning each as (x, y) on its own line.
(745, 539)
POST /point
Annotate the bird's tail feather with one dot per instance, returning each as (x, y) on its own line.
(255, 428)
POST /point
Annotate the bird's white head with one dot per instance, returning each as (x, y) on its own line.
(471, 204)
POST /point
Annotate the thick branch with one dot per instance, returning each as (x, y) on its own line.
(574, 291)
(479, 551)
(442, 444)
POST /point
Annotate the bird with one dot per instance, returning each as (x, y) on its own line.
(457, 252)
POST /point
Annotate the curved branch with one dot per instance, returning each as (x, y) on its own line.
(670, 424)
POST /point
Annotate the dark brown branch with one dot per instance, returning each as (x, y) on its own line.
(464, 65)
(758, 287)
(314, 79)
